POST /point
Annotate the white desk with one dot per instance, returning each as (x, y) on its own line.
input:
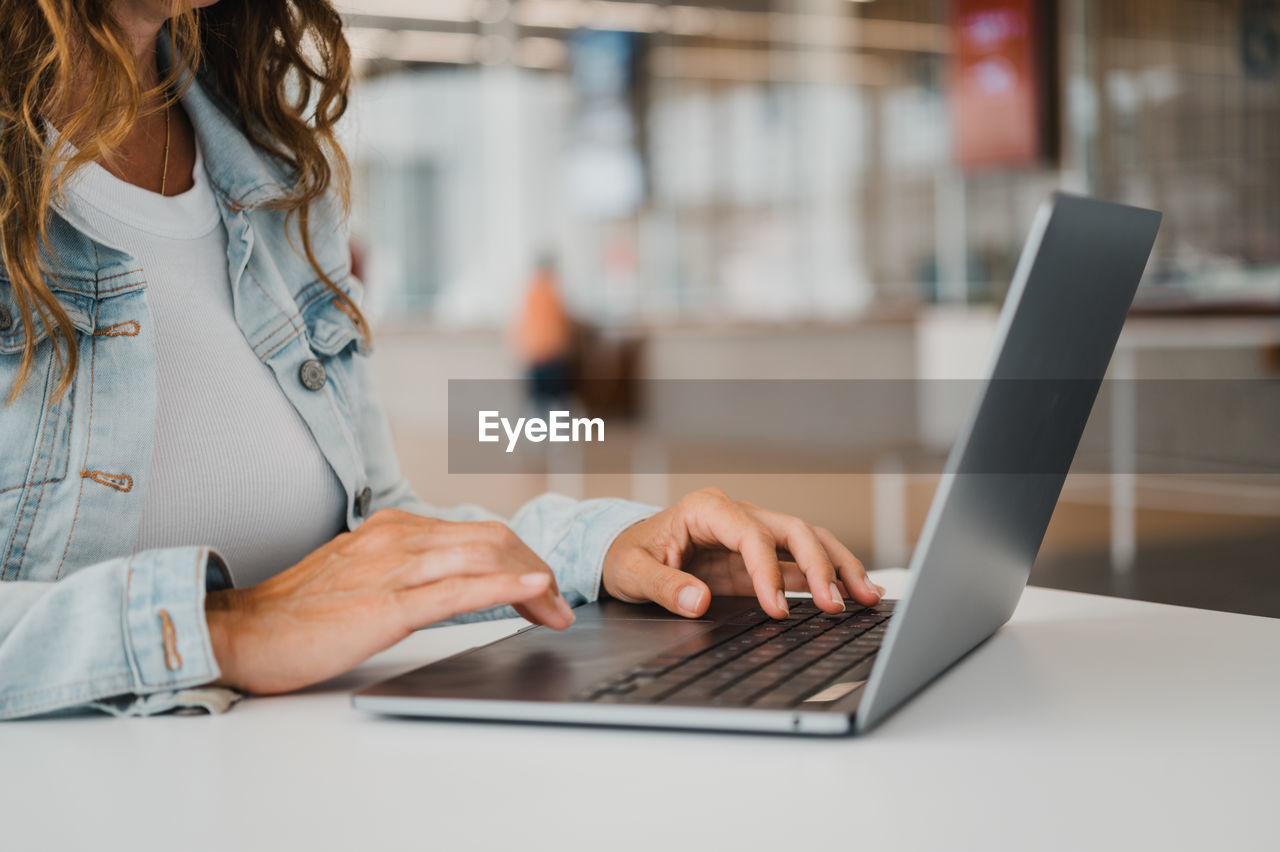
(1086, 723)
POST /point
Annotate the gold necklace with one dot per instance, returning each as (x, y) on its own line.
(164, 177)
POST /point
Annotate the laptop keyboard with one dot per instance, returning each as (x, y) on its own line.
(753, 660)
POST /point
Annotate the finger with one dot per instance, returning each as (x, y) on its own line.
(472, 550)
(550, 609)
(801, 541)
(453, 596)
(527, 614)
(728, 524)
(731, 578)
(794, 580)
(851, 570)
(643, 578)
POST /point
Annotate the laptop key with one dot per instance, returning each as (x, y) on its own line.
(652, 691)
(773, 663)
(750, 618)
(790, 693)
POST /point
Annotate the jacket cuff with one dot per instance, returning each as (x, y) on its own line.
(166, 635)
(578, 558)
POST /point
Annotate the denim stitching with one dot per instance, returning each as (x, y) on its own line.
(318, 284)
(96, 279)
(128, 634)
(265, 341)
(102, 477)
(308, 294)
(231, 202)
(347, 311)
(98, 292)
(303, 300)
(274, 349)
(332, 273)
(125, 627)
(288, 317)
(26, 498)
(15, 337)
(123, 287)
(68, 402)
(292, 332)
(32, 484)
(69, 399)
(119, 329)
(88, 439)
(169, 637)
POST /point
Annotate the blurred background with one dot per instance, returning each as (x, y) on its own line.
(791, 189)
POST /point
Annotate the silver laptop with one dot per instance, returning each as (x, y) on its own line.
(736, 669)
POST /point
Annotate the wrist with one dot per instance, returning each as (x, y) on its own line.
(220, 612)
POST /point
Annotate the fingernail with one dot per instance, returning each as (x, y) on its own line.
(537, 578)
(835, 596)
(881, 590)
(689, 599)
(782, 603)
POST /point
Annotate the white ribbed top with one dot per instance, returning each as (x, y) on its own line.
(234, 467)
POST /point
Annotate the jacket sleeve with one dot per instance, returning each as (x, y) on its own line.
(127, 636)
(571, 536)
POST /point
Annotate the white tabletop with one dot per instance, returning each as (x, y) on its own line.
(1086, 722)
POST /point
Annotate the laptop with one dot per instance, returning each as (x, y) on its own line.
(736, 669)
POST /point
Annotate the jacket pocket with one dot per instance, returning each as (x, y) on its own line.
(35, 429)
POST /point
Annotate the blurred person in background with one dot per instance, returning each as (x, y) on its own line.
(198, 491)
(543, 337)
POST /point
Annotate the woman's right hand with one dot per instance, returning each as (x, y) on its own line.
(366, 590)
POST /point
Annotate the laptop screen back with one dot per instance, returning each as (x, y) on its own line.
(1056, 333)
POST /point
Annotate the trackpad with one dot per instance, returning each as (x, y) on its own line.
(546, 665)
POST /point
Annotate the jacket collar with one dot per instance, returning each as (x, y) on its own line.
(242, 175)
(245, 175)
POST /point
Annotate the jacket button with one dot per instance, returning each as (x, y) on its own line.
(363, 499)
(312, 374)
(6, 319)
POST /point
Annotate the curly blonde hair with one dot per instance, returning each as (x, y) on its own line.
(284, 64)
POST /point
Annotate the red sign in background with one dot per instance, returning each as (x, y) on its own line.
(997, 83)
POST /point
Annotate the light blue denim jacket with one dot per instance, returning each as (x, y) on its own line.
(82, 618)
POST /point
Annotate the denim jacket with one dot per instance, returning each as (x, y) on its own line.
(83, 620)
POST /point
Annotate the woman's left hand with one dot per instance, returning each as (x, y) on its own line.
(709, 544)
